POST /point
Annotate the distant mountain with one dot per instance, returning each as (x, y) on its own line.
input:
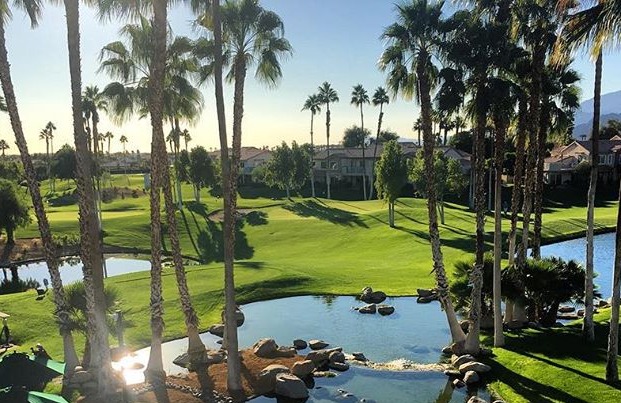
(583, 130)
(610, 108)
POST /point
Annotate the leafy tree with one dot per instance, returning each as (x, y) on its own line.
(4, 146)
(611, 129)
(15, 210)
(462, 141)
(64, 163)
(182, 167)
(11, 170)
(391, 174)
(355, 136)
(201, 170)
(385, 136)
(289, 168)
(449, 178)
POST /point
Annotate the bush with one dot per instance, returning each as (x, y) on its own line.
(16, 285)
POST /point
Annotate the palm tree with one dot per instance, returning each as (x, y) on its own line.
(3, 146)
(418, 126)
(60, 301)
(412, 41)
(123, 140)
(359, 97)
(91, 251)
(93, 101)
(45, 135)
(327, 95)
(597, 27)
(108, 136)
(49, 128)
(380, 97)
(186, 137)
(312, 104)
(139, 88)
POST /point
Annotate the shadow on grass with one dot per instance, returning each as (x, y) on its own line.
(320, 210)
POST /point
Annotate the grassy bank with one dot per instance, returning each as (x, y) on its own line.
(304, 246)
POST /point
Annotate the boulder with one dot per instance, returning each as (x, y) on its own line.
(207, 358)
(465, 325)
(458, 383)
(471, 377)
(474, 366)
(300, 344)
(336, 356)
(385, 309)
(285, 352)
(566, 309)
(458, 360)
(426, 300)
(476, 399)
(602, 304)
(318, 356)
(290, 386)
(302, 369)
(267, 376)
(358, 356)
(446, 350)
(486, 352)
(323, 374)
(240, 318)
(366, 293)
(425, 293)
(458, 348)
(266, 348)
(217, 329)
(338, 366)
(371, 308)
(377, 297)
(317, 344)
(453, 373)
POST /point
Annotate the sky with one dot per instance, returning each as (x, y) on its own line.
(334, 41)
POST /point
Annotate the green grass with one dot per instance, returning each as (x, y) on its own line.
(316, 246)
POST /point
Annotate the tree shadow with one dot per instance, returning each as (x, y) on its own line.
(320, 210)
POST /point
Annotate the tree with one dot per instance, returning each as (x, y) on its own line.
(201, 171)
(93, 101)
(186, 138)
(64, 163)
(355, 136)
(380, 97)
(312, 104)
(327, 95)
(153, 79)
(44, 134)
(15, 210)
(449, 179)
(391, 174)
(415, 37)
(385, 136)
(288, 168)
(91, 248)
(418, 126)
(123, 141)
(11, 170)
(359, 97)
(597, 27)
(33, 10)
(108, 136)
(4, 146)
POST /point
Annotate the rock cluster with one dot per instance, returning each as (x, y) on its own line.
(468, 371)
(289, 382)
(374, 301)
(83, 381)
(426, 296)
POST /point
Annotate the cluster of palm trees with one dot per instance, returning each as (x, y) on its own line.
(507, 67)
(359, 96)
(154, 75)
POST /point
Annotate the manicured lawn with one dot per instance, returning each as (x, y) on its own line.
(316, 246)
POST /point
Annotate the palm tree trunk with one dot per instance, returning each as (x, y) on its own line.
(612, 371)
(177, 177)
(154, 372)
(587, 326)
(229, 174)
(544, 121)
(518, 176)
(379, 127)
(442, 284)
(90, 251)
(501, 130)
(60, 301)
(474, 314)
(312, 170)
(328, 149)
(364, 165)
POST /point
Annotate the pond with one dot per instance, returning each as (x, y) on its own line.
(415, 332)
(71, 269)
(603, 258)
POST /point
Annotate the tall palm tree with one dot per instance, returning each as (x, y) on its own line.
(108, 136)
(186, 138)
(62, 309)
(90, 252)
(327, 95)
(312, 104)
(598, 28)
(380, 97)
(45, 135)
(418, 126)
(359, 97)
(123, 140)
(3, 146)
(412, 41)
(49, 128)
(137, 68)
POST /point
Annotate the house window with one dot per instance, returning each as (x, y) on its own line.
(602, 159)
(611, 159)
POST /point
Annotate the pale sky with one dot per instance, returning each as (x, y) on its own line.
(334, 41)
